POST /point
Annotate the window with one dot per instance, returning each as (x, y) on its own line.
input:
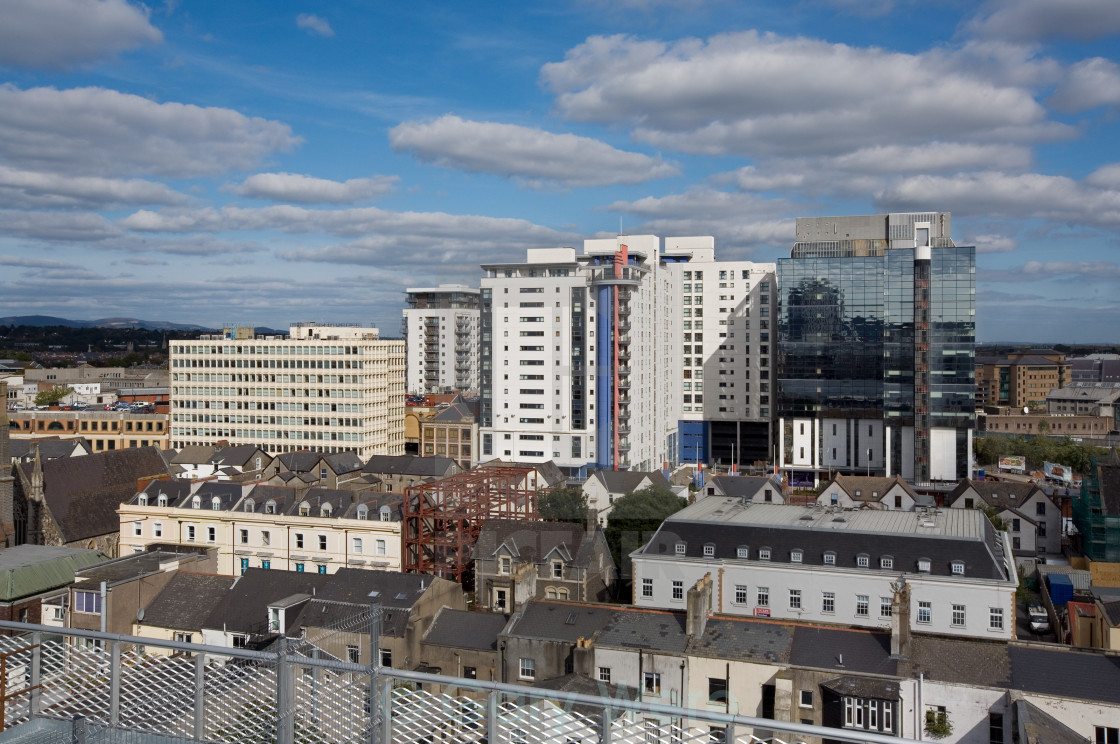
(678, 590)
(322, 568)
(680, 548)
(211, 534)
(958, 615)
(353, 655)
(869, 714)
(605, 674)
(652, 683)
(806, 700)
(828, 602)
(647, 587)
(299, 539)
(958, 568)
(528, 669)
(709, 550)
(740, 594)
(183, 637)
(322, 542)
(762, 596)
(742, 552)
(886, 562)
(266, 537)
(795, 599)
(861, 605)
(995, 618)
(863, 560)
(1040, 509)
(356, 545)
(923, 565)
(764, 554)
(157, 529)
(1107, 735)
(245, 565)
(830, 559)
(504, 564)
(190, 533)
(885, 607)
(557, 570)
(795, 556)
(137, 529)
(266, 564)
(925, 613)
(243, 537)
(386, 657)
(717, 690)
(87, 602)
(299, 567)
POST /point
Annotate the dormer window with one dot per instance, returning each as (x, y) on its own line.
(142, 499)
(162, 500)
(305, 509)
(386, 514)
(796, 555)
(363, 512)
(270, 507)
(505, 563)
(764, 554)
(830, 558)
(249, 506)
(923, 565)
(680, 548)
(958, 568)
(886, 562)
(215, 503)
(743, 552)
(863, 560)
(858, 493)
(558, 569)
(709, 550)
(325, 510)
(196, 503)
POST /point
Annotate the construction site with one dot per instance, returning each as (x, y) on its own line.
(442, 519)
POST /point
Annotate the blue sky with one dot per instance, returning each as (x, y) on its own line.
(269, 162)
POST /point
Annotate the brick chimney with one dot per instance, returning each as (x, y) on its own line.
(900, 619)
(583, 658)
(699, 604)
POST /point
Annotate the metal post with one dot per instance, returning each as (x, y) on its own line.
(285, 699)
(315, 692)
(114, 683)
(36, 670)
(492, 716)
(80, 732)
(385, 716)
(378, 719)
(605, 727)
(199, 697)
(729, 734)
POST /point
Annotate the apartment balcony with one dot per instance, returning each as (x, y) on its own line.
(623, 445)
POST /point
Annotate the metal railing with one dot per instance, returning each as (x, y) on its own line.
(78, 686)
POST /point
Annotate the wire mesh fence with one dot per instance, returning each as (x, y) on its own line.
(82, 687)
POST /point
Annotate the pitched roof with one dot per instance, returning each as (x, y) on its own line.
(960, 660)
(1068, 673)
(239, 455)
(300, 462)
(459, 410)
(27, 570)
(193, 455)
(187, 600)
(741, 638)
(549, 471)
(174, 490)
(465, 629)
(873, 488)
(1000, 494)
(129, 567)
(533, 541)
(344, 462)
(84, 493)
(844, 650)
(656, 630)
(49, 448)
(743, 486)
(560, 621)
(425, 467)
(244, 608)
(624, 481)
(344, 600)
(1036, 726)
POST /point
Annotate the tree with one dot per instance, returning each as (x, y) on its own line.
(562, 504)
(635, 517)
(53, 395)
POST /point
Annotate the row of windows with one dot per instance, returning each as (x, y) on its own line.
(385, 513)
(797, 555)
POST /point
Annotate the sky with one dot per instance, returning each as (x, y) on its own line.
(263, 163)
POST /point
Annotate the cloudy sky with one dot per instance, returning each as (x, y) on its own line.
(269, 162)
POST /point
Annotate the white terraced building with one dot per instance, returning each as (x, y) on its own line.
(328, 388)
(441, 328)
(831, 565)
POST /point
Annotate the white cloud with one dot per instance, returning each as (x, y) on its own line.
(537, 156)
(56, 34)
(51, 226)
(293, 187)
(1018, 196)
(1036, 271)
(1038, 20)
(314, 24)
(99, 132)
(19, 188)
(991, 243)
(1090, 83)
(1106, 177)
(31, 263)
(761, 94)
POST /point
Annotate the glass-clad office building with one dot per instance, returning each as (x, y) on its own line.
(876, 345)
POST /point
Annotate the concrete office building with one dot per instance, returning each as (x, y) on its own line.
(580, 357)
(877, 339)
(328, 388)
(727, 373)
(441, 328)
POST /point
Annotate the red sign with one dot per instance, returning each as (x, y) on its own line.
(762, 612)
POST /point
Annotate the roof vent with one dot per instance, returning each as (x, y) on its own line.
(806, 518)
(571, 619)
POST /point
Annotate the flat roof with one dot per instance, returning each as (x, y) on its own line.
(956, 523)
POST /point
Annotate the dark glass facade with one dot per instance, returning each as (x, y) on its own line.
(850, 347)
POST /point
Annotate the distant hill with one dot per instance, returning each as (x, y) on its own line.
(48, 320)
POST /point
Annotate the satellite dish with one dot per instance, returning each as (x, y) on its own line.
(1026, 410)
(140, 615)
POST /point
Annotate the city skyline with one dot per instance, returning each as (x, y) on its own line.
(270, 163)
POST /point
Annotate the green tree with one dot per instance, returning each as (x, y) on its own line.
(53, 395)
(562, 504)
(635, 517)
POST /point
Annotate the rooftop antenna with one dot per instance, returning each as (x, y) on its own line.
(620, 224)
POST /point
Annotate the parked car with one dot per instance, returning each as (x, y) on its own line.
(1040, 621)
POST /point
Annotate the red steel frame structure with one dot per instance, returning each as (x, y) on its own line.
(442, 519)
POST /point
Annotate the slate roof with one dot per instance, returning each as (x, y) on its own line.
(868, 486)
(560, 621)
(863, 651)
(193, 455)
(1066, 672)
(50, 448)
(300, 462)
(646, 629)
(458, 410)
(743, 486)
(187, 600)
(239, 455)
(27, 570)
(864, 687)
(464, 629)
(623, 481)
(424, 467)
(174, 490)
(549, 471)
(244, 608)
(960, 660)
(127, 567)
(282, 496)
(227, 494)
(1036, 726)
(84, 493)
(344, 462)
(726, 524)
(533, 541)
(347, 595)
(749, 640)
(1001, 494)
